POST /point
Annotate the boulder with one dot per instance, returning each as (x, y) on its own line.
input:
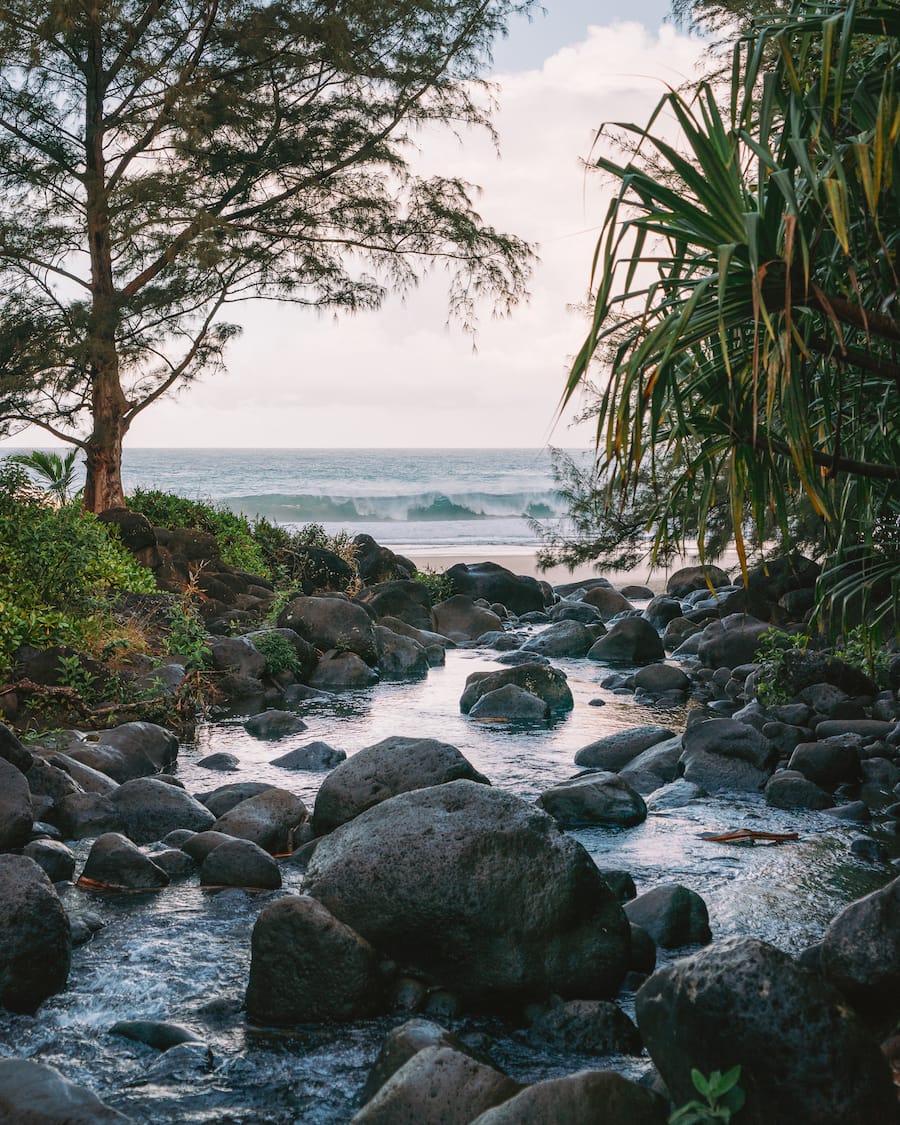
(35, 941)
(599, 798)
(436, 879)
(12, 750)
(240, 863)
(632, 640)
(332, 623)
(803, 1053)
(313, 756)
(87, 814)
(661, 611)
(272, 724)
(689, 578)
(381, 771)
(238, 654)
(801, 668)
(401, 1043)
(789, 789)
(662, 761)
(223, 799)
(673, 795)
(575, 611)
(305, 654)
(657, 678)
(587, 1027)
(616, 750)
(400, 658)
(778, 576)
(437, 1086)
(564, 638)
(725, 754)
(149, 809)
(672, 915)
(16, 814)
(861, 955)
(34, 1094)
(509, 704)
(199, 844)
(268, 819)
(607, 602)
(320, 569)
(341, 671)
(53, 857)
(375, 563)
(589, 1097)
(409, 601)
(460, 619)
(495, 583)
(541, 680)
(221, 762)
(128, 751)
(826, 764)
(731, 641)
(115, 863)
(306, 966)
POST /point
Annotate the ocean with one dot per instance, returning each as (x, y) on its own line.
(405, 498)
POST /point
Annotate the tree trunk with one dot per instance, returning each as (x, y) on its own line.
(103, 486)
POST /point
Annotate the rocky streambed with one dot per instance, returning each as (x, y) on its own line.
(533, 970)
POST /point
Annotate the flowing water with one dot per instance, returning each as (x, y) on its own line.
(183, 954)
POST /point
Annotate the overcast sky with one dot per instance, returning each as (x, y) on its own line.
(402, 376)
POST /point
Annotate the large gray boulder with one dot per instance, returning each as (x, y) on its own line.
(726, 754)
(115, 863)
(35, 940)
(34, 1094)
(614, 751)
(563, 638)
(409, 601)
(509, 704)
(590, 1097)
(632, 640)
(400, 658)
(495, 583)
(599, 798)
(460, 619)
(238, 654)
(731, 641)
(149, 809)
(803, 1053)
(342, 671)
(861, 954)
(607, 602)
(672, 915)
(332, 623)
(541, 680)
(439, 879)
(15, 808)
(127, 751)
(689, 578)
(306, 966)
(268, 820)
(376, 773)
(399, 1046)
(240, 863)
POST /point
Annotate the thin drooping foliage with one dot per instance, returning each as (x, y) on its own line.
(746, 298)
(163, 159)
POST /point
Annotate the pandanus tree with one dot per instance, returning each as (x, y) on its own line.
(163, 159)
(746, 285)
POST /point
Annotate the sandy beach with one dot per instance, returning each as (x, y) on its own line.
(520, 561)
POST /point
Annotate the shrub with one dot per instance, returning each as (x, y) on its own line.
(439, 586)
(280, 654)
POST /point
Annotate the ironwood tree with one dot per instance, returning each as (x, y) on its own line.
(162, 159)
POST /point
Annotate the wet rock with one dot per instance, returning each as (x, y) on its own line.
(608, 602)
(342, 671)
(53, 857)
(87, 814)
(128, 751)
(789, 789)
(405, 600)
(222, 762)
(83, 924)
(661, 762)
(573, 611)
(200, 844)
(616, 750)
(731, 641)
(238, 654)
(402, 875)
(154, 1033)
(149, 808)
(804, 1055)
(643, 951)
(564, 638)
(332, 623)
(659, 678)
(586, 1098)
(179, 1064)
(306, 966)
(509, 704)
(240, 863)
(869, 850)
(401, 1043)
(786, 738)
(12, 750)
(437, 1086)
(598, 798)
(619, 882)
(803, 667)
(460, 619)
(675, 795)
(295, 694)
(588, 1027)
(631, 640)
(545, 682)
(672, 915)
(827, 764)
(274, 724)
(115, 862)
(268, 819)
(495, 583)
(223, 799)
(35, 941)
(376, 773)
(16, 813)
(726, 754)
(47, 780)
(34, 1094)
(176, 863)
(690, 578)
(313, 756)
(400, 658)
(514, 659)
(867, 729)
(861, 954)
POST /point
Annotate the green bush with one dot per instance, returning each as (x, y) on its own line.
(59, 569)
(439, 586)
(280, 654)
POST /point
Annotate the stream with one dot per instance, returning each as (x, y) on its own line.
(183, 954)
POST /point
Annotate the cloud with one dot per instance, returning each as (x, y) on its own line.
(401, 377)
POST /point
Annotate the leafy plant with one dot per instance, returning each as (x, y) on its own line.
(187, 636)
(770, 650)
(280, 654)
(439, 586)
(54, 473)
(74, 675)
(862, 649)
(722, 1099)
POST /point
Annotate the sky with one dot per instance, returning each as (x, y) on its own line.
(403, 376)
